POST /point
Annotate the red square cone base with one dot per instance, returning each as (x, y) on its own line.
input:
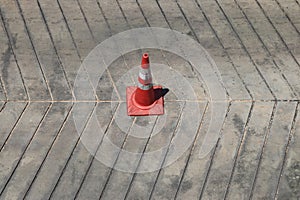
(157, 108)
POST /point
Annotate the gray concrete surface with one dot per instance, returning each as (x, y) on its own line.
(256, 47)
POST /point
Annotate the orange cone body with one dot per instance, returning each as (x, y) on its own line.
(141, 100)
(144, 97)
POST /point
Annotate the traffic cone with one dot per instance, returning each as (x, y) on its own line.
(145, 99)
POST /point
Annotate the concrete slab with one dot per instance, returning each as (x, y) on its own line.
(226, 152)
(39, 147)
(32, 71)
(56, 146)
(274, 151)
(10, 115)
(46, 53)
(289, 181)
(244, 171)
(48, 174)
(19, 139)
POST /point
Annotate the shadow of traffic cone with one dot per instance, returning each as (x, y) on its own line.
(145, 99)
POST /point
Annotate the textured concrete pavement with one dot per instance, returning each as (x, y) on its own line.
(256, 47)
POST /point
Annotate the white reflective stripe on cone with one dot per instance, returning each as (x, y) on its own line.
(145, 82)
(145, 87)
(145, 77)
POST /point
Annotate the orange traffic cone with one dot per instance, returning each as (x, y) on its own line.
(145, 99)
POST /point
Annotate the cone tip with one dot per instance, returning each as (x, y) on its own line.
(145, 55)
(145, 61)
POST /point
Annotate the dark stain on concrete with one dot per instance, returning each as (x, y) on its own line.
(286, 128)
(175, 181)
(5, 58)
(293, 178)
(186, 185)
(238, 123)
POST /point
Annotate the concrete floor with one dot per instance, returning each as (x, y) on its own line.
(256, 47)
